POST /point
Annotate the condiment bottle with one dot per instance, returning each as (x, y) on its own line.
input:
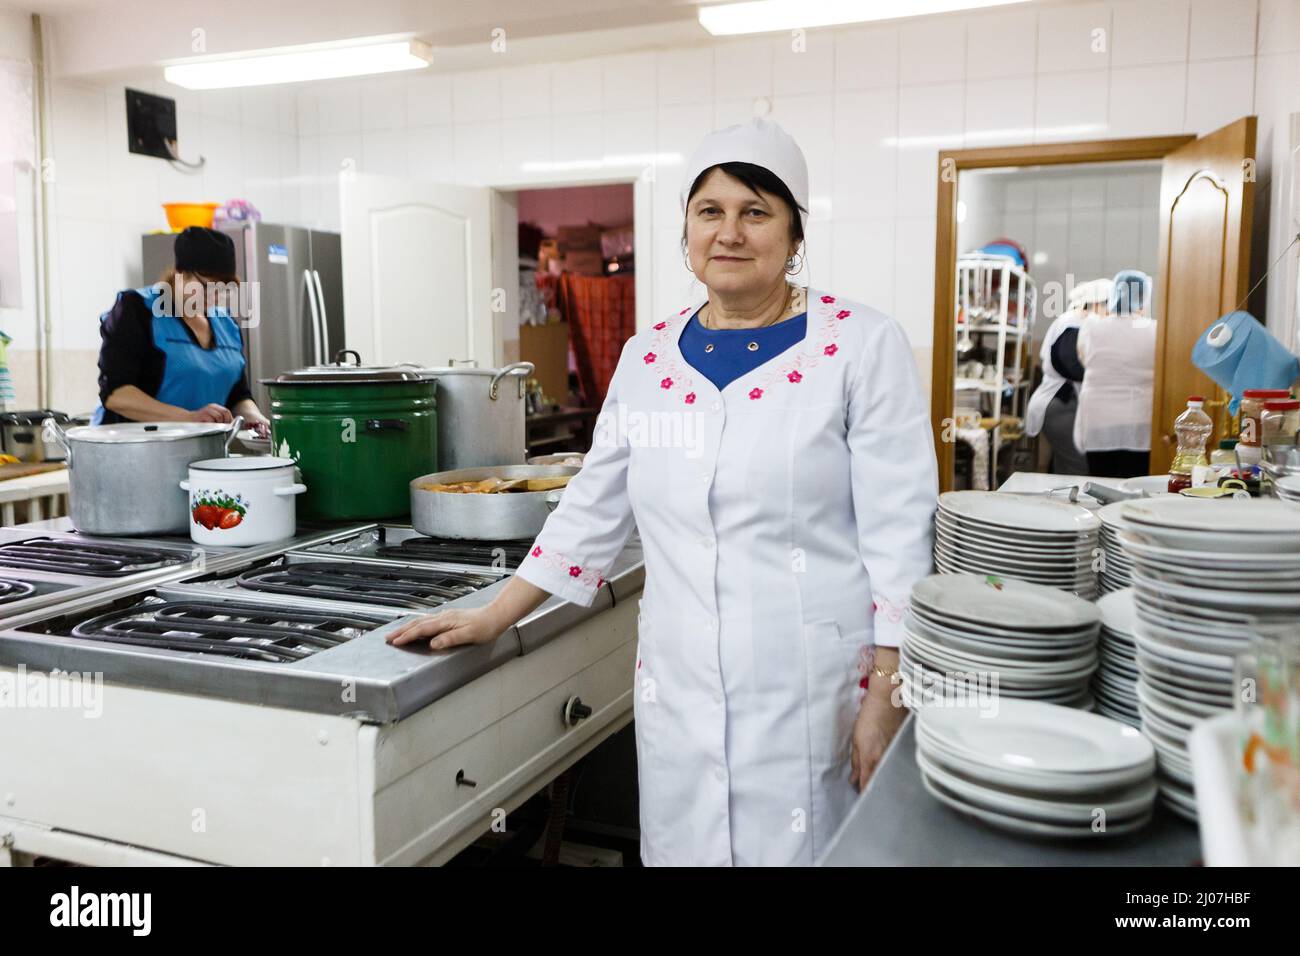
(1193, 429)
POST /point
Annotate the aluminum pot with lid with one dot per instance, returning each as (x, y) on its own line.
(481, 414)
(22, 435)
(125, 479)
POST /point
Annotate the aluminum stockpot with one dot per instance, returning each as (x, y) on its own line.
(23, 435)
(512, 514)
(125, 479)
(243, 501)
(481, 414)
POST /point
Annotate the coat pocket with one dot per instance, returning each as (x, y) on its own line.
(833, 671)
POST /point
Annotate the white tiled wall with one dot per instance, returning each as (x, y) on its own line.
(871, 106)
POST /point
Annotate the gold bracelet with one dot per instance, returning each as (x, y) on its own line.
(878, 671)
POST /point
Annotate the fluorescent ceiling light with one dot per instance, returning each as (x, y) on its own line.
(322, 61)
(765, 16)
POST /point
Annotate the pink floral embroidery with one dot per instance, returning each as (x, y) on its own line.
(690, 398)
(568, 566)
(676, 374)
(795, 367)
(660, 326)
(755, 393)
(685, 310)
(649, 358)
(666, 383)
(843, 314)
(893, 612)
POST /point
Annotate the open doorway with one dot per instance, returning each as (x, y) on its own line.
(577, 305)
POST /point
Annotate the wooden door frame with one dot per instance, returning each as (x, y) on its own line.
(951, 163)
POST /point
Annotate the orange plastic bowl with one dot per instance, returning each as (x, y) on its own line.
(182, 215)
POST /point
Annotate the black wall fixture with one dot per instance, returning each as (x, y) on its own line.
(151, 124)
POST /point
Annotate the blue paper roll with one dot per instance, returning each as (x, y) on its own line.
(1239, 353)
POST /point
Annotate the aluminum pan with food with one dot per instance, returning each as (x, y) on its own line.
(512, 514)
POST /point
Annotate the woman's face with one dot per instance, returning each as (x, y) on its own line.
(737, 240)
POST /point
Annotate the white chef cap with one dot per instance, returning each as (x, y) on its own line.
(760, 142)
(1095, 292)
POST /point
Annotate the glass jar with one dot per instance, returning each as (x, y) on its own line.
(1280, 421)
(1252, 405)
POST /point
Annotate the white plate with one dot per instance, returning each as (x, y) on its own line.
(1083, 658)
(1180, 703)
(1041, 736)
(1176, 686)
(1028, 827)
(1074, 785)
(1118, 612)
(1151, 484)
(992, 536)
(1151, 553)
(1228, 515)
(1030, 513)
(1079, 635)
(1000, 650)
(1007, 604)
(1118, 805)
(1199, 662)
(1225, 541)
(1064, 582)
(1253, 602)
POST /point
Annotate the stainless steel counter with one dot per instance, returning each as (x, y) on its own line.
(365, 678)
(895, 822)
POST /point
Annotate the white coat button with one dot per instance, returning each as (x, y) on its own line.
(720, 774)
(704, 476)
(717, 699)
(706, 542)
(712, 625)
(717, 406)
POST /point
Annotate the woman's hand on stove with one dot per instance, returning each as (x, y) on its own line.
(450, 628)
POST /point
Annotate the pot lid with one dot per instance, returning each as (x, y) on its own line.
(34, 417)
(349, 373)
(241, 464)
(144, 431)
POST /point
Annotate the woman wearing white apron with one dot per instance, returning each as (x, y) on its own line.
(1052, 407)
(1118, 354)
(783, 528)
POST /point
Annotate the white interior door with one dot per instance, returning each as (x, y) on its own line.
(417, 270)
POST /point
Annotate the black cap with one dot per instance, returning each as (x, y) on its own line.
(206, 252)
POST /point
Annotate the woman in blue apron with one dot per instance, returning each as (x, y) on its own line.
(170, 352)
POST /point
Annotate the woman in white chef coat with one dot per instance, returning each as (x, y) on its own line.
(1052, 407)
(1118, 353)
(783, 528)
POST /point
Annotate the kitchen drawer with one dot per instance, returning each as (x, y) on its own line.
(422, 802)
(537, 731)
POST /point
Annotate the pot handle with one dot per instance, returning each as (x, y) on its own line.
(287, 490)
(54, 431)
(522, 369)
(185, 484)
(387, 424)
(235, 426)
(338, 356)
(552, 500)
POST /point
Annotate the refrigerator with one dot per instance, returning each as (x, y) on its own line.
(298, 314)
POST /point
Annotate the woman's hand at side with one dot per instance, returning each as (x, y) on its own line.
(878, 720)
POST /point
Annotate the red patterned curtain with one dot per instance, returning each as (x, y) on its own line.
(601, 312)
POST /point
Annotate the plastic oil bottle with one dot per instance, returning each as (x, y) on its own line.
(1193, 429)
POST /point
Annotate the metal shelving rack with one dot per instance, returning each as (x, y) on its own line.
(995, 297)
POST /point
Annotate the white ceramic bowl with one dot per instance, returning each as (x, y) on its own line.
(242, 501)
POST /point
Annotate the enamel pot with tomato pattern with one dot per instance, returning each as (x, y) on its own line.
(242, 501)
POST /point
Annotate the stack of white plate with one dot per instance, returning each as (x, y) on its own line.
(1037, 769)
(1026, 537)
(1205, 572)
(1114, 684)
(978, 635)
(1116, 566)
(1288, 487)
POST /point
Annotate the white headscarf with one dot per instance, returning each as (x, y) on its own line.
(760, 142)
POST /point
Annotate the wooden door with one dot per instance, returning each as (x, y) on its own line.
(1206, 201)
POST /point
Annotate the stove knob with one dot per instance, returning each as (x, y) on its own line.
(575, 710)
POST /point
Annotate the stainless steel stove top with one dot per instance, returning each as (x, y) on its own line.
(88, 557)
(303, 628)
